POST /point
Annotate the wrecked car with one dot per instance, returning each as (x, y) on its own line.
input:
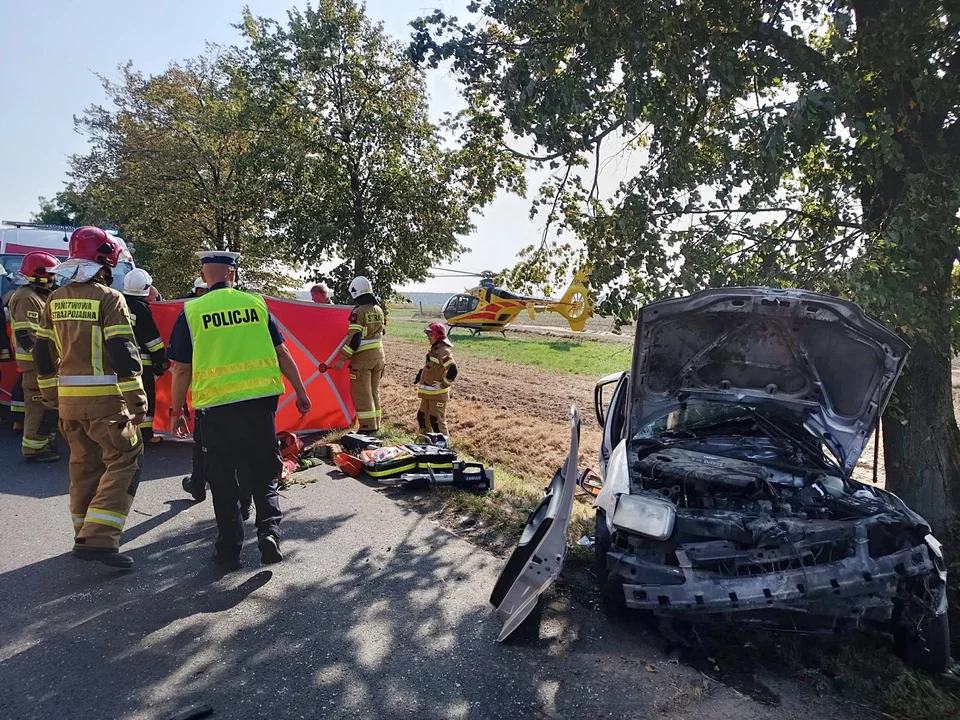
(727, 461)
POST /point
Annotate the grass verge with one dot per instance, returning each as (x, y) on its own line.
(580, 357)
(501, 513)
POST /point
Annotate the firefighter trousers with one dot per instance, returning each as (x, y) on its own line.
(432, 415)
(366, 371)
(105, 465)
(241, 456)
(39, 423)
(150, 389)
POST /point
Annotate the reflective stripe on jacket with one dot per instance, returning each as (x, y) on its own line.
(26, 309)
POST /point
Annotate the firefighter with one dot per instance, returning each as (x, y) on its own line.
(229, 352)
(434, 380)
(89, 365)
(363, 349)
(136, 290)
(26, 307)
(199, 289)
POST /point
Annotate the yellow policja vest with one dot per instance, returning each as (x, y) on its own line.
(233, 354)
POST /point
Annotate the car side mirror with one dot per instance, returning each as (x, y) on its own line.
(590, 482)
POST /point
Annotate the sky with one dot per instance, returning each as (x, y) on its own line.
(50, 53)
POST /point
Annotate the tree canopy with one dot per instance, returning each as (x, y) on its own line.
(798, 143)
(366, 181)
(309, 149)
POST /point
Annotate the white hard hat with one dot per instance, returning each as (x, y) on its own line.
(137, 282)
(360, 286)
(199, 284)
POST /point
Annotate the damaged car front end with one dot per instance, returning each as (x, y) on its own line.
(728, 457)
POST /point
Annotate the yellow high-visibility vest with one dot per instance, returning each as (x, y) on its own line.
(233, 354)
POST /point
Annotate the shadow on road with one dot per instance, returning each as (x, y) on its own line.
(377, 638)
(18, 477)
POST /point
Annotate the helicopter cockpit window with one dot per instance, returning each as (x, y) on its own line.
(459, 304)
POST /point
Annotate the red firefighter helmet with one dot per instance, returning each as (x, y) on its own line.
(290, 445)
(35, 266)
(436, 332)
(92, 243)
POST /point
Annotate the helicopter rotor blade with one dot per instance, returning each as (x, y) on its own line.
(454, 271)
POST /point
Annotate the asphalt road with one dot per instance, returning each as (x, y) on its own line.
(376, 612)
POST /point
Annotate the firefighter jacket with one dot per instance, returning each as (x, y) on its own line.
(152, 349)
(87, 355)
(26, 307)
(366, 329)
(438, 372)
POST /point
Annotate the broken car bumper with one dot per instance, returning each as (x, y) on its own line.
(854, 587)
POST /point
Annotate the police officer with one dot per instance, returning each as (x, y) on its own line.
(136, 290)
(89, 366)
(231, 355)
(26, 307)
(363, 349)
(434, 381)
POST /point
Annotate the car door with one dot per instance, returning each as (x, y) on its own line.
(611, 416)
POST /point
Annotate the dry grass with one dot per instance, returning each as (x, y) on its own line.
(525, 452)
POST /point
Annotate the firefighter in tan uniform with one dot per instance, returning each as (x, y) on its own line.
(434, 380)
(26, 307)
(90, 368)
(363, 349)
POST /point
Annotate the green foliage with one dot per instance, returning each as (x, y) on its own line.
(787, 143)
(172, 161)
(366, 181)
(68, 207)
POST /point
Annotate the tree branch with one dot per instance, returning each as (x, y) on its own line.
(554, 156)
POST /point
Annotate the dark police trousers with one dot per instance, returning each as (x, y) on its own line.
(241, 456)
(197, 481)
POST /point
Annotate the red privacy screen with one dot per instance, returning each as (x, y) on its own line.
(313, 334)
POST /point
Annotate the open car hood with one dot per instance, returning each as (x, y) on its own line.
(800, 350)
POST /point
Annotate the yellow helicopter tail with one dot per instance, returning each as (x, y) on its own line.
(576, 305)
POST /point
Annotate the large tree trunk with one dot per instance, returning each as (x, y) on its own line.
(922, 454)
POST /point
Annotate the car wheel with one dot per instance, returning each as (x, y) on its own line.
(528, 632)
(926, 646)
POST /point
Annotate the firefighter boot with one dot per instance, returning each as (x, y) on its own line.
(108, 556)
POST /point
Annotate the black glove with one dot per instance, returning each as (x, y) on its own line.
(416, 380)
(160, 368)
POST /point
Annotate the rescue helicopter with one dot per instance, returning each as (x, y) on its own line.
(488, 308)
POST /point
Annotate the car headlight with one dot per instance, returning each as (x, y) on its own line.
(645, 515)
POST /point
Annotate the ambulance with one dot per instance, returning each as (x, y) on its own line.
(19, 238)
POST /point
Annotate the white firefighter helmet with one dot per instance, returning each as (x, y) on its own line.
(199, 284)
(360, 286)
(137, 282)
